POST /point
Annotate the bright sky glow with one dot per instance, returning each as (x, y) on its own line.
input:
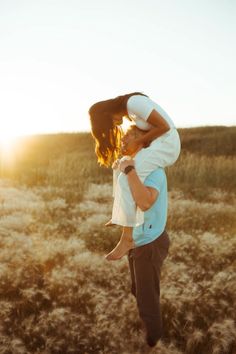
(7, 147)
(58, 57)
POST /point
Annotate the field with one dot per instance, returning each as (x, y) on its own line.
(59, 295)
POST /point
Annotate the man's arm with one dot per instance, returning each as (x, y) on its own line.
(143, 196)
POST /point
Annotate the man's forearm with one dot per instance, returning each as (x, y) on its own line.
(143, 196)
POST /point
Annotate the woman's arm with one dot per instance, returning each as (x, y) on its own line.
(160, 127)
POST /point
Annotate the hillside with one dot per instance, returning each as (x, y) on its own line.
(60, 296)
(68, 161)
(210, 141)
(58, 293)
(217, 141)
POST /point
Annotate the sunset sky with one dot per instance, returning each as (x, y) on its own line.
(57, 57)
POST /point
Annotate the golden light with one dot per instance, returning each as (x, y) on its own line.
(126, 124)
(7, 144)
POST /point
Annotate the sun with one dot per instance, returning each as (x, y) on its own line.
(7, 143)
(126, 124)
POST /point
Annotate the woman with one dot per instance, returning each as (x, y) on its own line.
(163, 150)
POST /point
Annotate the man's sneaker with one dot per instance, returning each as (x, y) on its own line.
(150, 341)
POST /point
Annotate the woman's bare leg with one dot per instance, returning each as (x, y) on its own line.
(123, 246)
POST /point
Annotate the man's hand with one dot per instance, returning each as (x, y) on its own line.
(123, 164)
(143, 196)
(116, 164)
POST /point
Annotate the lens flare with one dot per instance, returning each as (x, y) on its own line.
(7, 144)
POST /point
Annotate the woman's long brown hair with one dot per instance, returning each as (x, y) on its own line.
(106, 134)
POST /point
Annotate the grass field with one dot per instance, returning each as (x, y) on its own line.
(58, 294)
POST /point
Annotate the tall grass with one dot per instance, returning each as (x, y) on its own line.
(68, 161)
(203, 172)
(64, 161)
(210, 141)
(58, 295)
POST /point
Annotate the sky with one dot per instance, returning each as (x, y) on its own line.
(58, 57)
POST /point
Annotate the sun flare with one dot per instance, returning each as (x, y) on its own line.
(7, 143)
(126, 124)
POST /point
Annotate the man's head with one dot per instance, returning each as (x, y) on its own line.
(132, 133)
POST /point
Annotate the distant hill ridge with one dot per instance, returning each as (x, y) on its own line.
(207, 141)
(68, 160)
(217, 140)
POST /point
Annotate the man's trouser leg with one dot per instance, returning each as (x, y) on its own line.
(145, 267)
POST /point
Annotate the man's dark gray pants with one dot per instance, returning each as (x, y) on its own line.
(145, 268)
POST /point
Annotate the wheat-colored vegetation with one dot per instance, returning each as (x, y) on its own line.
(59, 295)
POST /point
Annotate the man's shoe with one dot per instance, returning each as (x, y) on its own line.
(151, 342)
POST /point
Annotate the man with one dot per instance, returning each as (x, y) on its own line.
(151, 242)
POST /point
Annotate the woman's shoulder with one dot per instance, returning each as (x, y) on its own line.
(140, 105)
(138, 98)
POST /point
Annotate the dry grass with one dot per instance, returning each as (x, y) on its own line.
(57, 292)
(59, 295)
(68, 162)
(199, 175)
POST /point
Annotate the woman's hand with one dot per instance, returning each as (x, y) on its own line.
(131, 147)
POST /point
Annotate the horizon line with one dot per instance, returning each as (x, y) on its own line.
(88, 131)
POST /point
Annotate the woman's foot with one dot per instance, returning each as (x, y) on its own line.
(109, 223)
(122, 247)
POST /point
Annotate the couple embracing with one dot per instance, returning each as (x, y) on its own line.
(140, 191)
